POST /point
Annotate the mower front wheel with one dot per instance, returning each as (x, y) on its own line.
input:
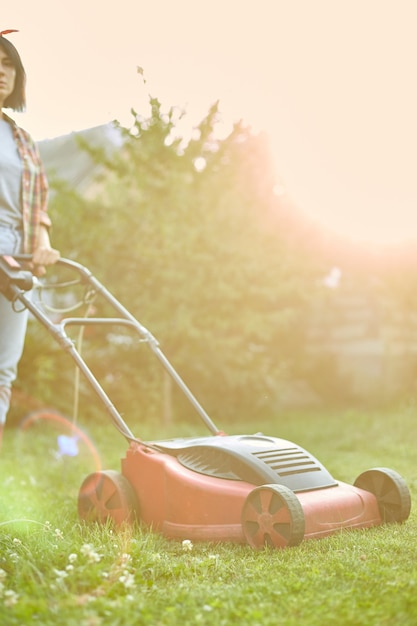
(390, 491)
(107, 496)
(272, 516)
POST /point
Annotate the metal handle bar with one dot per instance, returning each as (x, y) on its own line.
(58, 331)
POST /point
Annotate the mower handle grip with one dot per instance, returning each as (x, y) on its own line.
(83, 271)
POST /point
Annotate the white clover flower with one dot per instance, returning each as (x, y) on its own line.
(88, 551)
(127, 579)
(86, 548)
(125, 558)
(10, 598)
(187, 545)
(60, 574)
(69, 568)
(72, 557)
(58, 533)
(17, 541)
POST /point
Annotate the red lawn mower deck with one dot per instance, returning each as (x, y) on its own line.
(240, 488)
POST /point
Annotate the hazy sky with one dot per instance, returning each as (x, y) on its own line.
(331, 81)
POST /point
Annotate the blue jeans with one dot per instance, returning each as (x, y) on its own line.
(12, 324)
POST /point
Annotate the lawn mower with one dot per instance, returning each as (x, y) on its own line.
(248, 488)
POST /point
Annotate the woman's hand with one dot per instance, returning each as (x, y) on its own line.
(44, 253)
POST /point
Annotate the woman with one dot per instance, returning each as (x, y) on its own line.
(24, 221)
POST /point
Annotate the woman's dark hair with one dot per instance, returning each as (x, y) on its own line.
(17, 99)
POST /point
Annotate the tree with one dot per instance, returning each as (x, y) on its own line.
(194, 242)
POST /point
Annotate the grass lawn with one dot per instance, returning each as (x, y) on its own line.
(55, 570)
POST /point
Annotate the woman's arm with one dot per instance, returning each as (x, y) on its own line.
(44, 254)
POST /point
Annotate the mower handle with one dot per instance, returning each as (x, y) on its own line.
(58, 332)
(83, 271)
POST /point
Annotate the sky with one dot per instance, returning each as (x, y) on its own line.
(331, 82)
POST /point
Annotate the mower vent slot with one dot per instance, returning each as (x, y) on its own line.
(283, 466)
(282, 460)
(300, 471)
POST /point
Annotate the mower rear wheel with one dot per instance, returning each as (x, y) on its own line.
(390, 490)
(107, 496)
(272, 516)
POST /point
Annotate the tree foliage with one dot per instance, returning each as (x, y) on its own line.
(193, 240)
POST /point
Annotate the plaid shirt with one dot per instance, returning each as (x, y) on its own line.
(34, 187)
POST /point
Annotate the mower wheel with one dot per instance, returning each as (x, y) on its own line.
(272, 516)
(390, 490)
(107, 496)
